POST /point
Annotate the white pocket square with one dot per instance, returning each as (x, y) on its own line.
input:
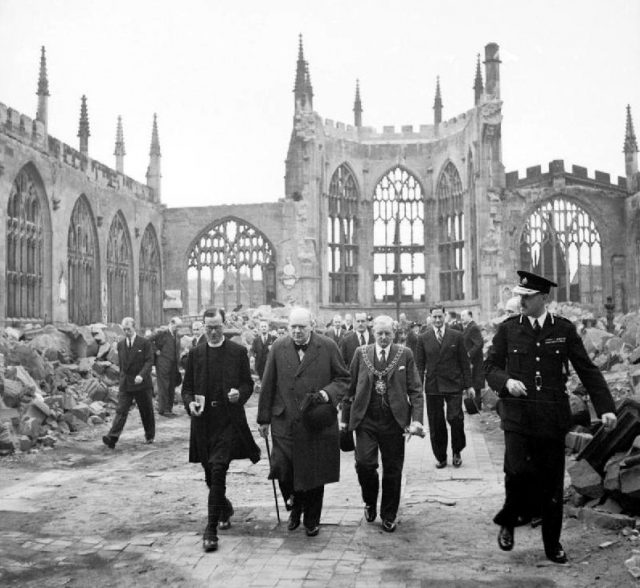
(402, 367)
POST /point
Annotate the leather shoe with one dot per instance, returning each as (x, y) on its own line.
(556, 554)
(312, 531)
(457, 460)
(441, 464)
(209, 543)
(109, 442)
(388, 526)
(149, 440)
(505, 538)
(294, 519)
(370, 513)
(228, 512)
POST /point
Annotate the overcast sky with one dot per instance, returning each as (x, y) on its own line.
(220, 76)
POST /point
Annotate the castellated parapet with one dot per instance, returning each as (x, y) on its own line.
(389, 133)
(577, 176)
(31, 133)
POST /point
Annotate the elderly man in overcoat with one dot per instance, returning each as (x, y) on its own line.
(167, 352)
(217, 384)
(474, 343)
(386, 398)
(302, 368)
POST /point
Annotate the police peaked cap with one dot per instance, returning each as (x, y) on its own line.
(532, 284)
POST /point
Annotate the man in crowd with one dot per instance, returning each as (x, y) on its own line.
(354, 339)
(260, 346)
(217, 384)
(336, 332)
(443, 363)
(474, 343)
(302, 369)
(386, 398)
(348, 322)
(527, 367)
(135, 358)
(167, 352)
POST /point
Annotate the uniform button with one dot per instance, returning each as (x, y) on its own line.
(537, 359)
(537, 344)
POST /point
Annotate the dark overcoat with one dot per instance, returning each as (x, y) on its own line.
(260, 351)
(474, 343)
(197, 380)
(286, 382)
(519, 353)
(167, 353)
(444, 366)
(404, 388)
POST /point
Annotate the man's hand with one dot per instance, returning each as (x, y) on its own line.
(263, 430)
(516, 388)
(343, 426)
(416, 428)
(195, 409)
(233, 395)
(609, 421)
(469, 393)
(137, 380)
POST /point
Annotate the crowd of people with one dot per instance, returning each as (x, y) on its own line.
(364, 382)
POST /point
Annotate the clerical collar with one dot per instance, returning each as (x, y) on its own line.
(215, 344)
(540, 319)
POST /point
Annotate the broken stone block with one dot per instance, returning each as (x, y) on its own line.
(595, 339)
(23, 355)
(605, 520)
(63, 427)
(577, 441)
(38, 409)
(20, 374)
(94, 419)
(112, 356)
(97, 408)
(12, 393)
(633, 566)
(81, 411)
(85, 365)
(630, 481)
(30, 426)
(610, 506)
(611, 480)
(7, 445)
(52, 343)
(74, 423)
(585, 479)
(25, 443)
(47, 441)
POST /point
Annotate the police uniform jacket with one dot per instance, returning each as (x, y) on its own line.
(540, 361)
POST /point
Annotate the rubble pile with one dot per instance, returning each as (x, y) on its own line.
(52, 384)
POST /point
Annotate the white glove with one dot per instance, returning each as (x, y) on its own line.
(195, 409)
(609, 421)
(416, 428)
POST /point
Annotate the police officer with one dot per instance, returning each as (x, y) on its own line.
(527, 367)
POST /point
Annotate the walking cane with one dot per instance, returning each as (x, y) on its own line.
(273, 482)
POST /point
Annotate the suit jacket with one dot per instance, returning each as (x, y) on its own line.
(133, 362)
(444, 367)
(404, 387)
(331, 333)
(260, 351)
(167, 352)
(285, 384)
(349, 343)
(473, 343)
(197, 379)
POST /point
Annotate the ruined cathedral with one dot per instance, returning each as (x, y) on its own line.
(385, 220)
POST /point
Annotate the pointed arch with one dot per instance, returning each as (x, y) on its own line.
(561, 242)
(451, 233)
(150, 279)
(342, 248)
(230, 263)
(119, 270)
(398, 237)
(83, 264)
(28, 251)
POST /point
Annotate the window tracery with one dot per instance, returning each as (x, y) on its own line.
(119, 271)
(150, 287)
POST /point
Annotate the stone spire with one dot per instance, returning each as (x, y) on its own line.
(83, 128)
(631, 154)
(357, 107)
(478, 86)
(302, 89)
(492, 70)
(153, 171)
(42, 113)
(119, 151)
(437, 104)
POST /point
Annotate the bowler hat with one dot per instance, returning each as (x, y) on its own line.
(318, 415)
(532, 284)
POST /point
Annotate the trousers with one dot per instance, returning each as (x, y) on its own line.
(144, 401)
(438, 425)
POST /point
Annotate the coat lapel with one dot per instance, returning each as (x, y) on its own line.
(310, 354)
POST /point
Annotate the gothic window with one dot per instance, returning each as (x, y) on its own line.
(398, 238)
(83, 265)
(341, 226)
(27, 232)
(231, 264)
(451, 234)
(561, 243)
(119, 271)
(149, 286)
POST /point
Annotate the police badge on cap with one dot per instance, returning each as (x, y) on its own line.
(532, 284)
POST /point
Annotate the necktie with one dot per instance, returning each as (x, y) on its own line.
(362, 341)
(536, 326)
(439, 336)
(264, 340)
(383, 357)
(129, 343)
